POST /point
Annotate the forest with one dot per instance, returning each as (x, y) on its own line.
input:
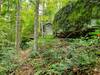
(49, 37)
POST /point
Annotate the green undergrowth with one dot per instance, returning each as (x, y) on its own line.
(7, 58)
(57, 56)
(60, 56)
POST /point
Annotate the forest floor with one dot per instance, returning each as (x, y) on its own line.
(59, 57)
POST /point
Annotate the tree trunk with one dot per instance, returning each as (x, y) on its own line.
(18, 27)
(36, 23)
(42, 22)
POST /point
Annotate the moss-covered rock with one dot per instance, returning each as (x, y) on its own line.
(76, 16)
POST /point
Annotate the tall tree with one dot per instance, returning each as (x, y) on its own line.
(18, 27)
(43, 3)
(36, 23)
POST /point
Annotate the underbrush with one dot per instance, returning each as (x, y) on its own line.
(73, 57)
(7, 56)
(55, 57)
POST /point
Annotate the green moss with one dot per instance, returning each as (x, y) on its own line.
(75, 15)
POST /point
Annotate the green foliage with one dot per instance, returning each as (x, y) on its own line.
(58, 60)
(7, 57)
(82, 56)
(85, 41)
(97, 31)
(27, 19)
(55, 56)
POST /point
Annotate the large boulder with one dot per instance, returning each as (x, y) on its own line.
(76, 17)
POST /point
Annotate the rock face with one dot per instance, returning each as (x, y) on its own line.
(48, 29)
(76, 16)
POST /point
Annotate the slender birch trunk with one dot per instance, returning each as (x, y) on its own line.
(42, 24)
(18, 27)
(36, 23)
